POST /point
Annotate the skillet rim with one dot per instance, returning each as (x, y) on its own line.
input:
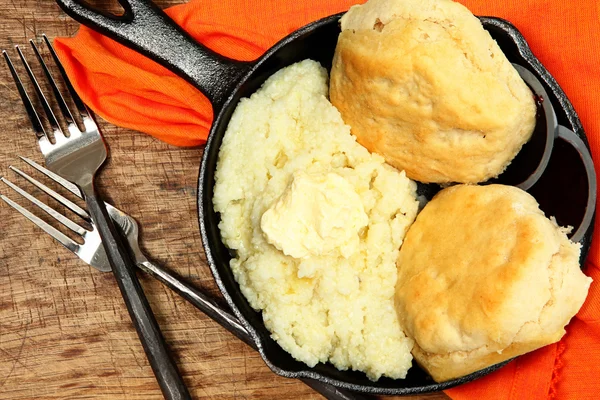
(307, 372)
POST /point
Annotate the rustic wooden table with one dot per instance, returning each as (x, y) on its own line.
(64, 331)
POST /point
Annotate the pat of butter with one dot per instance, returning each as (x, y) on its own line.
(318, 214)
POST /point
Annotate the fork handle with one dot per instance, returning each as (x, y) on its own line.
(164, 367)
(201, 301)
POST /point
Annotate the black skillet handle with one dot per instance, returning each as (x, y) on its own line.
(146, 29)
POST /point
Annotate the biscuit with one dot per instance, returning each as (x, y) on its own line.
(424, 85)
(484, 276)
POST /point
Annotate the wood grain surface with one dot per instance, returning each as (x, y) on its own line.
(64, 331)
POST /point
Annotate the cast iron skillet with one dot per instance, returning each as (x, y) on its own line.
(565, 187)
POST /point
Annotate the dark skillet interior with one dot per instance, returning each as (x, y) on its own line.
(317, 41)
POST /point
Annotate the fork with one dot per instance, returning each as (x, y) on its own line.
(93, 254)
(91, 250)
(77, 157)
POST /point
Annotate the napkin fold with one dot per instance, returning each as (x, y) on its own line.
(131, 91)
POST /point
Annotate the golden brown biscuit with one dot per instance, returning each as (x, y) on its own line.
(484, 276)
(423, 84)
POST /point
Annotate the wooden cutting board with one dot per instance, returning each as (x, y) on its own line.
(64, 331)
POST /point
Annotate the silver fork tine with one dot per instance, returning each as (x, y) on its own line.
(34, 118)
(49, 210)
(58, 197)
(57, 95)
(47, 109)
(55, 233)
(63, 182)
(74, 96)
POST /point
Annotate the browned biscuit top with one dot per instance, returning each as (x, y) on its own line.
(481, 270)
(423, 84)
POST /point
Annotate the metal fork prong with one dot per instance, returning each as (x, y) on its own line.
(56, 196)
(47, 109)
(57, 95)
(74, 96)
(38, 127)
(47, 209)
(49, 229)
(63, 182)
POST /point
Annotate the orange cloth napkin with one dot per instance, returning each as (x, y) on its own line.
(131, 91)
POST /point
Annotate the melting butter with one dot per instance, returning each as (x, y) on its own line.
(318, 214)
